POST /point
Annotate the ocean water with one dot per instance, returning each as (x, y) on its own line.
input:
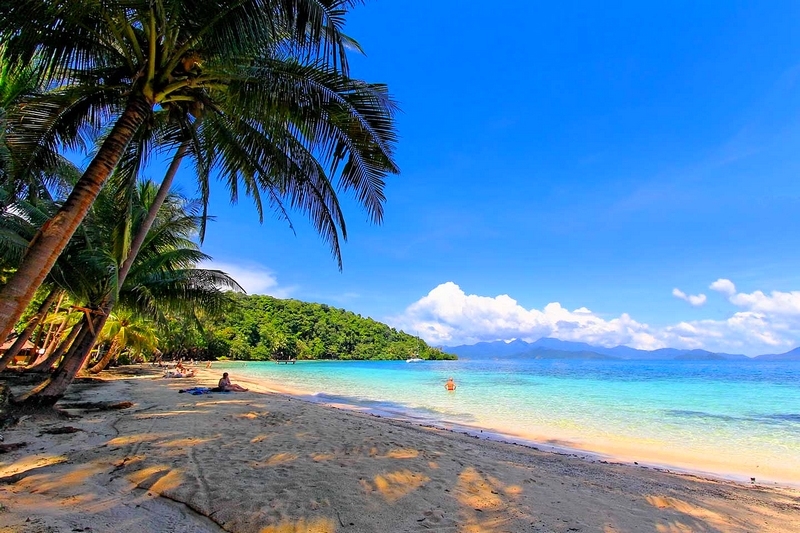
(739, 420)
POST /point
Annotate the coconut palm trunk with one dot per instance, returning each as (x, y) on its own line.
(152, 213)
(56, 339)
(53, 388)
(137, 242)
(51, 240)
(29, 329)
(101, 365)
(136, 245)
(53, 331)
(55, 355)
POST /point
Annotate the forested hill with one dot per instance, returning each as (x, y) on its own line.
(262, 328)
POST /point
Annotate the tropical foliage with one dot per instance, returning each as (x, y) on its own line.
(257, 91)
(266, 328)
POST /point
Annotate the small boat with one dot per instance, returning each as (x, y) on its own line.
(415, 358)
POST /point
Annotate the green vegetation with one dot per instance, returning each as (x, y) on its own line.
(254, 93)
(263, 328)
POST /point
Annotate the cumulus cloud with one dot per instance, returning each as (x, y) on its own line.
(695, 300)
(725, 286)
(764, 323)
(776, 303)
(447, 315)
(254, 278)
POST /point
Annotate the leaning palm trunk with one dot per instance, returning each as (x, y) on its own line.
(54, 387)
(28, 331)
(109, 356)
(136, 246)
(51, 359)
(50, 393)
(51, 240)
(53, 338)
(152, 213)
(56, 340)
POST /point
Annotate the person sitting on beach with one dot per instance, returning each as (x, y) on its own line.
(450, 385)
(226, 386)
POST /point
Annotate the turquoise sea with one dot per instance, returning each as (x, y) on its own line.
(734, 419)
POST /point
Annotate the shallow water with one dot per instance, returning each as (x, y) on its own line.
(736, 419)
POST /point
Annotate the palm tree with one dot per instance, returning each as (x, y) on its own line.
(163, 280)
(125, 330)
(27, 171)
(115, 62)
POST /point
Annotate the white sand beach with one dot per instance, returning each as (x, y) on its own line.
(268, 462)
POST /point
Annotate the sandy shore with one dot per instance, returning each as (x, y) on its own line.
(265, 462)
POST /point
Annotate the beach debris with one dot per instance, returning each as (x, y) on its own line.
(5, 448)
(61, 430)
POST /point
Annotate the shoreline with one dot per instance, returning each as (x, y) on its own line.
(270, 462)
(615, 451)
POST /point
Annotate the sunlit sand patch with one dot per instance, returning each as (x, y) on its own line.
(183, 443)
(280, 458)
(433, 464)
(402, 453)
(31, 462)
(488, 525)
(55, 482)
(478, 491)
(172, 453)
(227, 402)
(322, 456)
(395, 485)
(172, 413)
(666, 502)
(251, 415)
(136, 439)
(695, 511)
(157, 478)
(258, 438)
(313, 525)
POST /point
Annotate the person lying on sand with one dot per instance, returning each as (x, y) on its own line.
(179, 374)
(226, 385)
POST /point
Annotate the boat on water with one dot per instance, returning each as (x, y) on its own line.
(415, 358)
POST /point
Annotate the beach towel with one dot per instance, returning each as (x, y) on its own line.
(197, 390)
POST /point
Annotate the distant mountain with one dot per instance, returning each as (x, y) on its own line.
(549, 348)
(792, 355)
(545, 353)
(496, 348)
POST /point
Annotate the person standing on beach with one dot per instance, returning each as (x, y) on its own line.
(450, 384)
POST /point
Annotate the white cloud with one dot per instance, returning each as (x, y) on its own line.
(254, 278)
(449, 316)
(695, 300)
(764, 323)
(776, 303)
(725, 286)
(779, 303)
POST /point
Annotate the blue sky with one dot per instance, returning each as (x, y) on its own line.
(568, 171)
